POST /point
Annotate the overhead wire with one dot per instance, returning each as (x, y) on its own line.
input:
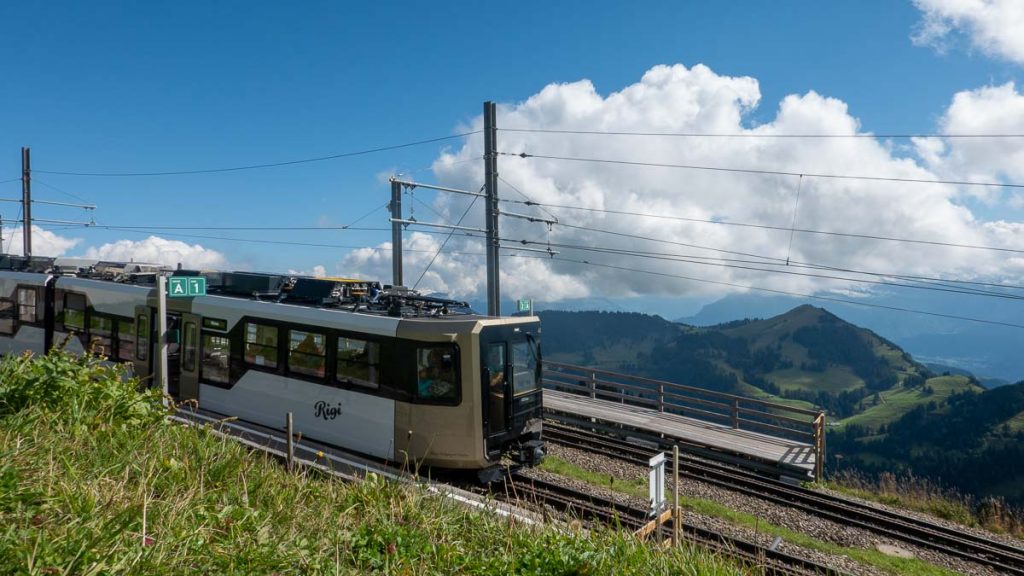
(266, 165)
(649, 272)
(751, 134)
(529, 201)
(766, 260)
(763, 172)
(749, 265)
(769, 260)
(10, 242)
(682, 258)
(797, 294)
(443, 244)
(56, 189)
(770, 227)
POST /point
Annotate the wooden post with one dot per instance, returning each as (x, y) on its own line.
(677, 517)
(819, 447)
(291, 443)
(593, 385)
(661, 397)
(736, 413)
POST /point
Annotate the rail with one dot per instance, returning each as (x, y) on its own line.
(740, 412)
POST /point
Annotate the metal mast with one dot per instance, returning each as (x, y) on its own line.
(491, 216)
(26, 201)
(396, 232)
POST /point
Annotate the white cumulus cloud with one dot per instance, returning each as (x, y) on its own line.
(157, 250)
(986, 110)
(677, 99)
(44, 242)
(994, 26)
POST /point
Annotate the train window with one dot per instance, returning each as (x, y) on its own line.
(261, 345)
(6, 316)
(101, 333)
(358, 362)
(74, 312)
(125, 339)
(26, 304)
(524, 368)
(142, 337)
(307, 353)
(436, 377)
(188, 359)
(216, 353)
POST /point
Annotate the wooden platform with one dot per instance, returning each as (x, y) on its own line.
(751, 449)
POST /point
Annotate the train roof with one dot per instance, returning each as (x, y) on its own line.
(340, 293)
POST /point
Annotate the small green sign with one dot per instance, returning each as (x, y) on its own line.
(186, 286)
(525, 305)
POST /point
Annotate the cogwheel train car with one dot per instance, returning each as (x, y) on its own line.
(379, 370)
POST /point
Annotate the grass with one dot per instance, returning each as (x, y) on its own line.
(638, 487)
(94, 480)
(896, 402)
(833, 380)
(920, 494)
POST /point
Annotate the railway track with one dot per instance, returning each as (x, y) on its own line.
(997, 555)
(589, 507)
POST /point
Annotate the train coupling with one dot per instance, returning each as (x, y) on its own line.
(531, 452)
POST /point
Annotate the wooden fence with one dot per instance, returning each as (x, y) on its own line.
(740, 412)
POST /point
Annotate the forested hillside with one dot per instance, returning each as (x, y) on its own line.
(974, 441)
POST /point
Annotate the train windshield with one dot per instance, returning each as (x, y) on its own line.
(525, 367)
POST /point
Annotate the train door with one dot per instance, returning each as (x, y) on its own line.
(496, 388)
(510, 381)
(173, 354)
(188, 373)
(144, 345)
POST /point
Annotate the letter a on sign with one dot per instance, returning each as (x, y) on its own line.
(178, 289)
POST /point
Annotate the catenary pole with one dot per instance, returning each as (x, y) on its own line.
(396, 232)
(161, 335)
(491, 216)
(26, 201)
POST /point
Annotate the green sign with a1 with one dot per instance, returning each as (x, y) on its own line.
(186, 286)
(525, 305)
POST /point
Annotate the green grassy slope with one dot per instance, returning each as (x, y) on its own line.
(896, 402)
(93, 480)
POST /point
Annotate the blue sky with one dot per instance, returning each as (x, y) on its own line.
(139, 87)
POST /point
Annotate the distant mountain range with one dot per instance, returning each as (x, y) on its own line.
(991, 352)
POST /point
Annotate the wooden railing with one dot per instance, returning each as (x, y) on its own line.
(740, 412)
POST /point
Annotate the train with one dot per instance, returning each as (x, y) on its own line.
(375, 369)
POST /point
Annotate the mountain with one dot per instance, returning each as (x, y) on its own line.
(990, 351)
(806, 356)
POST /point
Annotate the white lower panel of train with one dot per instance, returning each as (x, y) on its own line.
(342, 417)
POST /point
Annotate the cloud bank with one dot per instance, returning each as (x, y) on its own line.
(677, 99)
